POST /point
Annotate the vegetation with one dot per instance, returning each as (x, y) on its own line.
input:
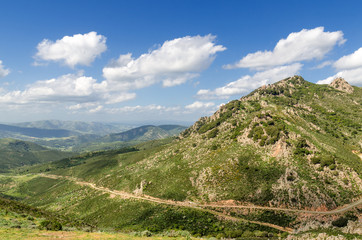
(15, 153)
(292, 144)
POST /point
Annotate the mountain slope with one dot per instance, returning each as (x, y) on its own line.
(145, 133)
(293, 143)
(15, 153)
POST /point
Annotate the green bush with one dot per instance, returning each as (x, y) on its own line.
(290, 178)
(327, 161)
(213, 133)
(332, 166)
(51, 225)
(316, 160)
(214, 147)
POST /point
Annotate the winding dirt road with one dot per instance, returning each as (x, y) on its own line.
(202, 207)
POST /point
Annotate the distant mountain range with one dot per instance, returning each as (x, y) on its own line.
(77, 126)
(32, 132)
(145, 133)
(84, 136)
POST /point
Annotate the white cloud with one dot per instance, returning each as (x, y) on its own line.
(248, 83)
(3, 71)
(199, 105)
(351, 61)
(352, 76)
(79, 49)
(298, 46)
(117, 97)
(350, 68)
(173, 63)
(140, 109)
(96, 109)
(69, 88)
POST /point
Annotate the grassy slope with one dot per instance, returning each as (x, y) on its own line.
(15, 153)
(20, 234)
(306, 158)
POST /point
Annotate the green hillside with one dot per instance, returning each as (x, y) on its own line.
(82, 140)
(145, 133)
(16, 153)
(291, 145)
(128, 138)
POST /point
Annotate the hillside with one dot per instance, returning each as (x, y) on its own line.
(293, 144)
(16, 153)
(291, 149)
(145, 133)
(82, 136)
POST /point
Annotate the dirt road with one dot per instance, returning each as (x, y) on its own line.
(202, 207)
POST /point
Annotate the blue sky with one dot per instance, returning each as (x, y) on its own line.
(165, 61)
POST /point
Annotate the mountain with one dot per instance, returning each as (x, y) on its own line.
(16, 153)
(31, 132)
(145, 133)
(284, 157)
(96, 128)
(126, 138)
(83, 136)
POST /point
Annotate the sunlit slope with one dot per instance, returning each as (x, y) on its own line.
(293, 143)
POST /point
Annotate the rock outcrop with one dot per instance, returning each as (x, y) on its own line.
(341, 85)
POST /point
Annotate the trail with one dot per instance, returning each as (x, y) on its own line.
(163, 201)
(334, 211)
(202, 207)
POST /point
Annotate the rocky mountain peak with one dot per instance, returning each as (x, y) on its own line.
(341, 85)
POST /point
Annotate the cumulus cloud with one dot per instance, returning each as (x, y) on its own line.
(173, 63)
(351, 61)
(140, 109)
(305, 45)
(350, 68)
(79, 49)
(69, 88)
(3, 71)
(352, 76)
(199, 105)
(248, 83)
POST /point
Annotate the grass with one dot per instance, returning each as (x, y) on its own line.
(93, 208)
(20, 234)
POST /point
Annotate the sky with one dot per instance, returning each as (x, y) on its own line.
(165, 61)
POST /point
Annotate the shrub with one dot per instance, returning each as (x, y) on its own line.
(332, 166)
(213, 133)
(300, 147)
(327, 161)
(340, 222)
(51, 225)
(316, 160)
(214, 147)
(290, 178)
